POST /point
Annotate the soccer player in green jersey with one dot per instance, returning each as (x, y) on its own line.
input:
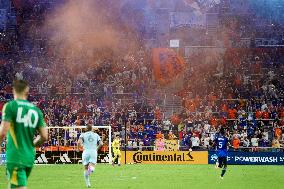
(20, 121)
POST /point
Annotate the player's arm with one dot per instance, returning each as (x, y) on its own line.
(6, 121)
(112, 144)
(5, 126)
(214, 144)
(228, 144)
(100, 143)
(42, 137)
(79, 143)
(43, 134)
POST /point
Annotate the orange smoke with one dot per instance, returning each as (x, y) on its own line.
(84, 32)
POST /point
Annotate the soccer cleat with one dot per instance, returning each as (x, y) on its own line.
(118, 164)
(221, 177)
(89, 184)
(216, 165)
(112, 164)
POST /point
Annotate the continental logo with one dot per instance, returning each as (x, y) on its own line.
(165, 157)
(139, 157)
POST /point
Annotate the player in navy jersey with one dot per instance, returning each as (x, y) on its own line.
(221, 143)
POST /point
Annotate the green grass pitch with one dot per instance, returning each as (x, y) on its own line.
(154, 176)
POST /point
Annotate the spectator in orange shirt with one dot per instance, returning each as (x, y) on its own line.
(276, 145)
(214, 121)
(104, 148)
(158, 114)
(242, 103)
(236, 143)
(232, 113)
(281, 113)
(171, 136)
(212, 97)
(159, 135)
(278, 133)
(175, 119)
(197, 101)
(258, 114)
(223, 121)
(78, 121)
(238, 80)
(265, 115)
(191, 106)
(224, 110)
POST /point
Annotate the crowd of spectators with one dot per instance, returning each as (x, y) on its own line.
(245, 96)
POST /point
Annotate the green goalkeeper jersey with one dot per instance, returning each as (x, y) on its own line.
(25, 119)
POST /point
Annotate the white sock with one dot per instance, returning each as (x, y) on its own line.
(87, 178)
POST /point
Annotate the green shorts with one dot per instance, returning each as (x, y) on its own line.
(18, 175)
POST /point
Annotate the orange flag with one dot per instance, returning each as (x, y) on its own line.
(166, 64)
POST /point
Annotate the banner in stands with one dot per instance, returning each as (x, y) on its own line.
(249, 158)
(166, 64)
(154, 157)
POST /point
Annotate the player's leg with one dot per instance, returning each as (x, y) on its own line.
(224, 167)
(115, 154)
(87, 176)
(25, 173)
(85, 161)
(219, 163)
(93, 162)
(119, 157)
(90, 166)
(17, 176)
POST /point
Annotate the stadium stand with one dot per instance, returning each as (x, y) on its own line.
(243, 93)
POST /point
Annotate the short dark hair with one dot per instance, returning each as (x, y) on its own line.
(89, 127)
(222, 131)
(20, 85)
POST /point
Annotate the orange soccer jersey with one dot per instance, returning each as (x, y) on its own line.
(258, 114)
(236, 143)
(265, 115)
(159, 136)
(278, 133)
(232, 113)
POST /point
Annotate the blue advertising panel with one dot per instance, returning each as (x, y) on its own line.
(2, 158)
(250, 158)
